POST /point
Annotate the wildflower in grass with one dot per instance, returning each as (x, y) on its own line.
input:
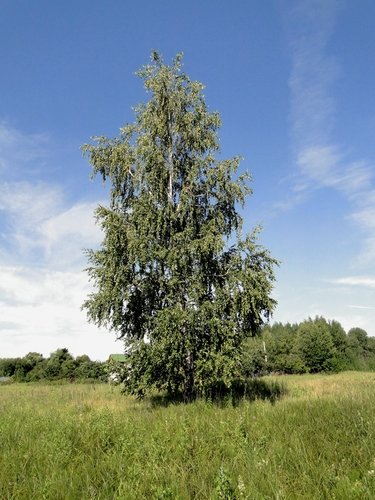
(241, 487)
(224, 489)
(262, 463)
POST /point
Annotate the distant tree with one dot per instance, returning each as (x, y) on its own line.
(68, 369)
(20, 368)
(83, 359)
(371, 345)
(7, 367)
(338, 335)
(357, 337)
(30, 364)
(60, 364)
(283, 356)
(340, 343)
(38, 372)
(174, 278)
(361, 349)
(315, 346)
(87, 369)
(370, 354)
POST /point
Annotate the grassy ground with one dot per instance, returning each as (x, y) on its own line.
(90, 442)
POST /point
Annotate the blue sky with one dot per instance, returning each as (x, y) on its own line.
(293, 81)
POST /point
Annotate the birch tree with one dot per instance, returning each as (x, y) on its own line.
(174, 277)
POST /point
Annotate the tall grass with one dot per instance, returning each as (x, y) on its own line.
(83, 442)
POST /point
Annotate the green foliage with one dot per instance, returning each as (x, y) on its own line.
(283, 354)
(61, 365)
(174, 277)
(340, 343)
(312, 346)
(359, 337)
(315, 346)
(254, 357)
(338, 335)
(7, 367)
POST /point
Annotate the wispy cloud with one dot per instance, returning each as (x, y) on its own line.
(30, 203)
(322, 162)
(39, 224)
(310, 26)
(361, 307)
(326, 166)
(360, 281)
(366, 216)
(19, 150)
(64, 236)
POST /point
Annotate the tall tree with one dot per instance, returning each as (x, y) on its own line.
(174, 277)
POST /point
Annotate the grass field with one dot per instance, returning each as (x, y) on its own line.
(90, 442)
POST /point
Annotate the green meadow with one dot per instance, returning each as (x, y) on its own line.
(90, 442)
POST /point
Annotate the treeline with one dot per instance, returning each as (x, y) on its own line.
(315, 345)
(61, 365)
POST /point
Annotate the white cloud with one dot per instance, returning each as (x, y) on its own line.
(360, 281)
(40, 311)
(76, 220)
(40, 300)
(65, 235)
(361, 307)
(326, 166)
(40, 226)
(29, 203)
(366, 217)
(42, 286)
(318, 162)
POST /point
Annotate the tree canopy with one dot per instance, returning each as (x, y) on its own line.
(174, 276)
(314, 345)
(61, 365)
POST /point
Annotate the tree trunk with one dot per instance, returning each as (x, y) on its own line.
(189, 377)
